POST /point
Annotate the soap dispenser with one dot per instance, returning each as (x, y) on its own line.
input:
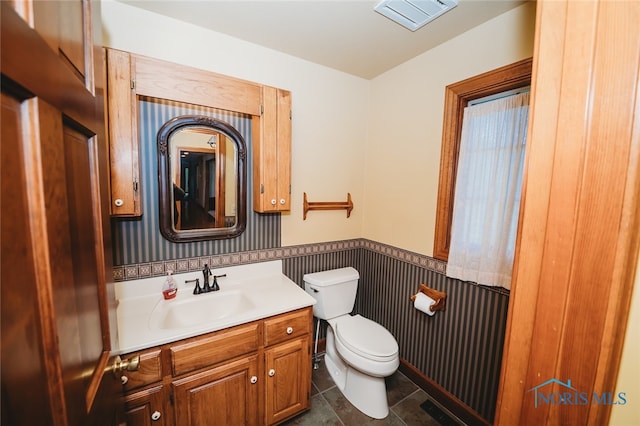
(169, 289)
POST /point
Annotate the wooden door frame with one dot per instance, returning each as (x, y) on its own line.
(577, 248)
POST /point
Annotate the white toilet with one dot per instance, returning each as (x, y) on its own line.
(360, 353)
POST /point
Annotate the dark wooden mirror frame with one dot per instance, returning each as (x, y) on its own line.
(165, 185)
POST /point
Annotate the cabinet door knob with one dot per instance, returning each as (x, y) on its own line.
(273, 202)
(282, 201)
(272, 372)
(156, 416)
(254, 379)
(124, 380)
(118, 202)
(289, 330)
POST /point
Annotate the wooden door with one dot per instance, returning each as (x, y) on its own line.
(579, 233)
(55, 241)
(288, 369)
(225, 395)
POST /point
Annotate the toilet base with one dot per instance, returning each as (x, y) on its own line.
(367, 393)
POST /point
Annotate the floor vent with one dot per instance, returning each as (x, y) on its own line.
(438, 415)
(413, 14)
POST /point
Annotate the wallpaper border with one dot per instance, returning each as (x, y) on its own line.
(152, 269)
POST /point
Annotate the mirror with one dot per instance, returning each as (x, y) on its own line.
(201, 179)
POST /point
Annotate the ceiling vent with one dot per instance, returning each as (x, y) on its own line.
(413, 14)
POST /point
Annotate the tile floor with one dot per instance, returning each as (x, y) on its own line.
(330, 407)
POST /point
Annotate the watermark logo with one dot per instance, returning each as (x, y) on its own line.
(569, 395)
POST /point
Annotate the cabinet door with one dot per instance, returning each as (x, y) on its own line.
(146, 408)
(225, 395)
(288, 381)
(123, 135)
(272, 152)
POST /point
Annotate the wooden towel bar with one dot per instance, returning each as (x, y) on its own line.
(326, 205)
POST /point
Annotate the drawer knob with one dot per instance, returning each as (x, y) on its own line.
(272, 372)
(156, 416)
(254, 379)
(289, 330)
(124, 380)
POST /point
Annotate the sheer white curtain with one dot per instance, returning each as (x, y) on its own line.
(487, 194)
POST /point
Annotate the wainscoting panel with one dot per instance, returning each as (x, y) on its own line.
(460, 348)
(139, 240)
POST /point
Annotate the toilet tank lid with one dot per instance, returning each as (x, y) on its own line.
(332, 276)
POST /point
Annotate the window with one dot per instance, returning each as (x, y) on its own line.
(457, 97)
(488, 187)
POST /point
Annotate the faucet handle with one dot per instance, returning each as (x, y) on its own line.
(196, 289)
(215, 286)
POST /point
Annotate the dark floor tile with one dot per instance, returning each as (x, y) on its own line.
(321, 378)
(398, 388)
(410, 412)
(350, 415)
(319, 414)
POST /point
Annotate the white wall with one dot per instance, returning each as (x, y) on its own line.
(405, 126)
(377, 139)
(329, 110)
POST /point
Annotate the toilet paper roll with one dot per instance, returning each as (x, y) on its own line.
(423, 303)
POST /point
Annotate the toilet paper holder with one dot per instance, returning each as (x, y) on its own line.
(439, 296)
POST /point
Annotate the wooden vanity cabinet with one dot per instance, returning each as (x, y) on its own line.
(145, 396)
(224, 395)
(288, 379)
(272, 153)
(251, 374)
(147, 407)
(287, 356)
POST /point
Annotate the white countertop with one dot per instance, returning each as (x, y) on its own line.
(267, 289)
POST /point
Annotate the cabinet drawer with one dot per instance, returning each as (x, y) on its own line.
(214, 348)
(286, 326)
(149, 371)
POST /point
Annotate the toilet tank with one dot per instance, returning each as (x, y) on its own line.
(334, 290)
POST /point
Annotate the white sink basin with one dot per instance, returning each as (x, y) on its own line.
(199, 309)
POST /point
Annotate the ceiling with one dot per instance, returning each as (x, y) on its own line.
(345, 35)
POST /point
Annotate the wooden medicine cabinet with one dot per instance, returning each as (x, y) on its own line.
(130, 76)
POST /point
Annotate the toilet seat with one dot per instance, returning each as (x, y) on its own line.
(366, 338)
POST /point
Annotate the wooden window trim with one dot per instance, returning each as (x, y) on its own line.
(457, 96)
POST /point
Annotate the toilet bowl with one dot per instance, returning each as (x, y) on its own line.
(360, 353)
(366, 345)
